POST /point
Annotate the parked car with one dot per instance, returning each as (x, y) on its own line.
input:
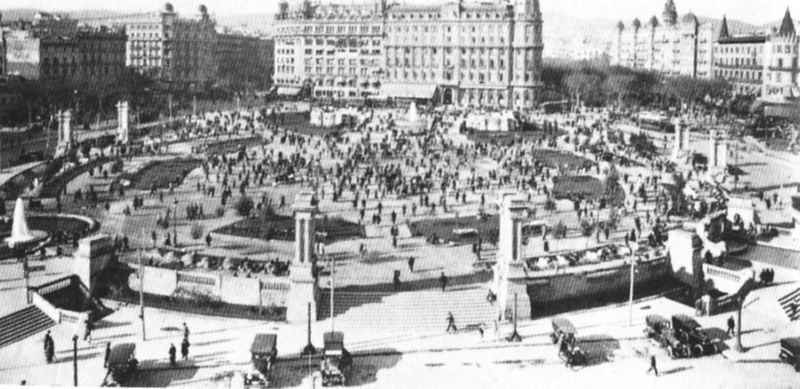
(790, 352)
(336, 360)
(121, 364)
(564, 335)
(659, 330)
(689, 332)
(263, 353)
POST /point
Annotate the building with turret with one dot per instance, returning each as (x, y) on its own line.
(482, 54)
(739, 60)
(675, 45)
(780, 66)
(174, 49)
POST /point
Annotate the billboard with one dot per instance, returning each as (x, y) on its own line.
(22, 56)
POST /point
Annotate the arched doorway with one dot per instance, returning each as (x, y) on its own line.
(447, 97)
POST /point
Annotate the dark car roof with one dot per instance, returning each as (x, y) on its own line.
(264, 343)
(563, 325)
(333, 339)
(121, 353)
(686, 321)
(791, 343)
(653, 318)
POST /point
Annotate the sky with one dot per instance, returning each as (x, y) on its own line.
(751, 11)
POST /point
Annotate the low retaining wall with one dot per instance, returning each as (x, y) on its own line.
(229, 289)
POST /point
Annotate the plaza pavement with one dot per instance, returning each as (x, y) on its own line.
(379, 323)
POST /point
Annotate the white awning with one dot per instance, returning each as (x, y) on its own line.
(409, 91)
(288, 91)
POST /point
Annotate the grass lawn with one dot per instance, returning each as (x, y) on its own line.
(281, 227)
(300, 123)
(555, 158)
(488, 229)
(503, 137)
(227, 146)
(162, 173)
(589, 187)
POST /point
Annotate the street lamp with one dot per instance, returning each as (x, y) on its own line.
(141, 292)
(633, 246)
(175, 225)
(75, 360)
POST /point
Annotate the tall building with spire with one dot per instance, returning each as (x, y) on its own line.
(676, 45)
(780, 65)
(739, 59)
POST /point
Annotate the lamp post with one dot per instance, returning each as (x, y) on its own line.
(141, 293)
(175, 225)
(633, 247)
(75, 360)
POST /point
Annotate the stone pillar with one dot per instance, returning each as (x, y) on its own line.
(122, 121)
(512, 214)
(712, 149)
(93, 255)
(678, 146)
(722, 154)
(304, 288)
(66, 122)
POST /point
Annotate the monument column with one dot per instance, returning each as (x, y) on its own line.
(678, 147)
(304, 288)
(67, 121)
(122, 121)
(513, 212)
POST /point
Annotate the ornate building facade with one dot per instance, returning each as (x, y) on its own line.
(177, 50)
(739, 59)
(780, 64)
(336, 51)
(477, 54)
(673, 46)
(481, 54)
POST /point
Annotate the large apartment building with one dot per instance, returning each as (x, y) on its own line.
(481, 54)
(172, 48)
(675, 45)
(739, 59)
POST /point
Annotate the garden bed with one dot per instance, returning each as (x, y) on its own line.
(161, 173)
(281, 227)
(230, 145)
(445, 229)
(586, 187)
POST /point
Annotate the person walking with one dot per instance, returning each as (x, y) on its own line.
(49, 347)
(451, 323)
(396, 280)
(443, 281)
(108, 354)
(185, 348)
(185, 332)
(172, 354)
(731, 326)
(411, 261)
(653, 366)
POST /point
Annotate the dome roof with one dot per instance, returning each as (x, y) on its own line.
(168, 7)
(690, 18)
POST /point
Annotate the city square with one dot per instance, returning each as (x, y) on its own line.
(386, 195)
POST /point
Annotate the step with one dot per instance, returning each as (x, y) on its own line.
(27, 322)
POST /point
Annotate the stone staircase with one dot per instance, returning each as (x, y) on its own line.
(786, 303)
(22, 324)
(412, 311)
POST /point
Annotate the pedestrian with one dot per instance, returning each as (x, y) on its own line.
(731, 326)
(49, 347)
(451, 323)
(411, 261)
(172, 354)
(653, 366)
(87, 335)
(208, 240)
(443, 281)
(396, 280)
(185, 332)
(108, 354)
(185, 348)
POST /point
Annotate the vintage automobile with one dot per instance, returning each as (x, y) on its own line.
(121, 364)
(564, 336)
(263, 352)
(659, 330)
(336, 360)
(790, 352)
(689, 332)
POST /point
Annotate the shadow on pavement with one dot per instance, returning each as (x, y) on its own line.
(598, 348)
(162, 377)
(352, 296)
(366, 368)
(676, 370)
